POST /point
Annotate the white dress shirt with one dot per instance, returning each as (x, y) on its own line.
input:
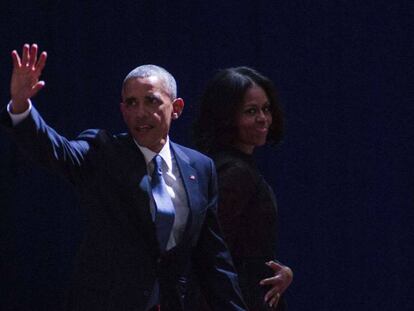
(18, 117)
(175, 188)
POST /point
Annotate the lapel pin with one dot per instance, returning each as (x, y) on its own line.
(192, 177)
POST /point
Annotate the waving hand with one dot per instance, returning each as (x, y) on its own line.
(25, 77)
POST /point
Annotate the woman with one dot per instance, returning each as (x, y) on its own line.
(239, 111)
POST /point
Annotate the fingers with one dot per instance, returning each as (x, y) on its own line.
(274, 301)
(279, 269)
(27, 69)
(38, 86)
(274, 265)
(271, 293)
(288, 272)
(280, 281)
(272, 297)
(41, 63)
(29, 58)
(25, 55)
(270, 281)
(16, 59)
(33, 55)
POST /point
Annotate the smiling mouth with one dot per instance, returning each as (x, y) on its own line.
(262, 129)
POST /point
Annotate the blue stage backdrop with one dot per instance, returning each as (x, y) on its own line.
(344, 174)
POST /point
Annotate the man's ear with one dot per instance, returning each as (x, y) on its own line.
(178, 106)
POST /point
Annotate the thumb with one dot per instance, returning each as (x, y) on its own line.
(37, 87)
(274, 265)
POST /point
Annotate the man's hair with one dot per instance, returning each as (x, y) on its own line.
(146, 71)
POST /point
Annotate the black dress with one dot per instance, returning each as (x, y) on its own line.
(248, 215)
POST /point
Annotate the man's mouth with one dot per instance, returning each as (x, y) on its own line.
(143, 128)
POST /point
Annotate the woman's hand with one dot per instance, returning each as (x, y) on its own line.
(279, 282)
(25, 77)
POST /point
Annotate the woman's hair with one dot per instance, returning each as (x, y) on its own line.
(223, 97)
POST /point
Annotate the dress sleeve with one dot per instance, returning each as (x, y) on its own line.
(236, 190)
(216, 270)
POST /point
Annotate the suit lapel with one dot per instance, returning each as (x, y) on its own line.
(137, 183)
(190, 181)
(136, 179)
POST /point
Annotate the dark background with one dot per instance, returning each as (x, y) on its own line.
(344, 174)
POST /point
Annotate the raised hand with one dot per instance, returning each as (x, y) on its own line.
(279, 282)
(25, 77)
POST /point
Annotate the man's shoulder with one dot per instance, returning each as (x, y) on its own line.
(189, 152)
(102, 135)
(104, 140)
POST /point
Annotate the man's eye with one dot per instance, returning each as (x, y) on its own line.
(155, 100)
(152, 100)
(130, 102)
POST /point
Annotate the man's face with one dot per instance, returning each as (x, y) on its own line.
(147, 110)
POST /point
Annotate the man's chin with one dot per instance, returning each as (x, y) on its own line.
(151, 145)
(141, 142)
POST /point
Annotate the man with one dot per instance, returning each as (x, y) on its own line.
(152, 239)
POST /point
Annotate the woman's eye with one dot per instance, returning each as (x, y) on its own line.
(250, 111)
(266, 109)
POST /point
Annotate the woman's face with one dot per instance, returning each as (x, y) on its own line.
(253, 120)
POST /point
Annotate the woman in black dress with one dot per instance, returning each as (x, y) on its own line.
(239, 111)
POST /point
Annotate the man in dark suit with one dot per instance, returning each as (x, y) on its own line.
(123, 264)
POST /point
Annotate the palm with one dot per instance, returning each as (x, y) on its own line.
(26, 72)
(22, 83)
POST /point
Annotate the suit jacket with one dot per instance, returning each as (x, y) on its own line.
(119, 257)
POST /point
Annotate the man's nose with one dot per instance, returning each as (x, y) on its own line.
(139, 110)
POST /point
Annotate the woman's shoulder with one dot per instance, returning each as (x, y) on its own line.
(235, 166)
(225, 160)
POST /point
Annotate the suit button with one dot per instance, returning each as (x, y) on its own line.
(146, 293)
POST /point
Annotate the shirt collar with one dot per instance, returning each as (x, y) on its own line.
(165, 153)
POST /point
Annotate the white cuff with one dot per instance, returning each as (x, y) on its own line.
(19, 117)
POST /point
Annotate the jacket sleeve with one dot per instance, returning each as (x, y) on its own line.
(43, 145)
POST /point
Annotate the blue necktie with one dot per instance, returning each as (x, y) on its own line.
(164, 208)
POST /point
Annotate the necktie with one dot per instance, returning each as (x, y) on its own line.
(164, 208)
